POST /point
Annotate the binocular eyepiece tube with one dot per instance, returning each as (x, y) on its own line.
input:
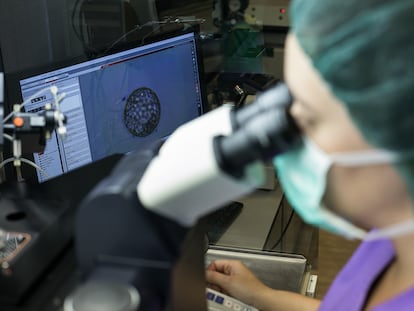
(263, 130)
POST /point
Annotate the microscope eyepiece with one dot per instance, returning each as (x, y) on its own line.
(263, 130)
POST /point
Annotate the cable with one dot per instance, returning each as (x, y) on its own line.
(53, 120)
(79, 32)
(282, 235)
(27, 101)
(158, 24)
(8, 137)
(27, 161)
(75, 7)
(136, 28)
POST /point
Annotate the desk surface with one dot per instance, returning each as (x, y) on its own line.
(267, 222)
(251, 228)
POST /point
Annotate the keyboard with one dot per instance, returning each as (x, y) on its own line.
(220, 302)
(219, 221)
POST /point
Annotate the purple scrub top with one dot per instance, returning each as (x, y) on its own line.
(349, 290)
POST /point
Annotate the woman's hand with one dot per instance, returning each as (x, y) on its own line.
(234, 279)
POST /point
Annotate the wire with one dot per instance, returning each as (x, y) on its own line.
(17, 144)
(136, 28)
(158, 24)
(31, 163)
(282, 235)
(6, 161)
(75, 7)
(27, 101)
(79, 32)
(150, 33)
(8, 137)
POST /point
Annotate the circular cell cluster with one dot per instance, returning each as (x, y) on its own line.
(142, 112)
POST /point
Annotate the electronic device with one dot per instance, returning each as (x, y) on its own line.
(217, 301)
(156, 195)
(263, 13)
(135, 97)
(266, 266)
(268, 13)
(120, 102)
(227, 13)
(29, 222)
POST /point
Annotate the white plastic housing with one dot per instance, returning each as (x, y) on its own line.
(185, 182)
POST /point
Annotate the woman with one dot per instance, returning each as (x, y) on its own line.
(349, 65)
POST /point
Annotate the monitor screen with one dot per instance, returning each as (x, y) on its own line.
(117, 103)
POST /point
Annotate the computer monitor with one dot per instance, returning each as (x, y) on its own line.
(120, 102)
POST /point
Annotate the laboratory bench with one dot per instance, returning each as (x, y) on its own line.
(265, 234)
(270, 238)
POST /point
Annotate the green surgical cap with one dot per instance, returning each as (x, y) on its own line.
(364, 50)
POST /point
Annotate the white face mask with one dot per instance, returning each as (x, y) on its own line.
(303, 172)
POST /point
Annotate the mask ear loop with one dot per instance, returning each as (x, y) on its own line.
(373, 157)
(364, 158)
(391, 231)
(355, 158)
(346, 228)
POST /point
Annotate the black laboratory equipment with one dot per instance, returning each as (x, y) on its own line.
(142, 246)
(167, 261)
(38, 205)
(138, 237)
(28, 221)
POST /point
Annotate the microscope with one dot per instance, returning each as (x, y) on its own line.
(25, 215)
(138, 234)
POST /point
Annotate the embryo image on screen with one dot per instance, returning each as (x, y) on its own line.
(134, 102)
(142, 112)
